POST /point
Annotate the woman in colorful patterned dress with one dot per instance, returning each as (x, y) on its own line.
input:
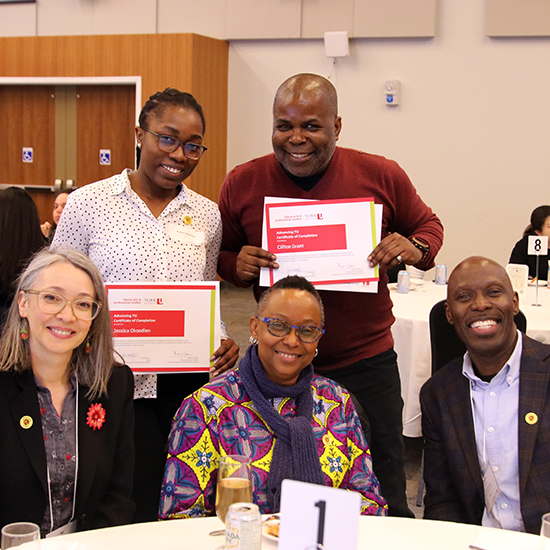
(291, 423)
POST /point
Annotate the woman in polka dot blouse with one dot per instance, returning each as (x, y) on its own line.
(129, 225)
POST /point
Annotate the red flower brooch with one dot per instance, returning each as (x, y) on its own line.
(96, 416)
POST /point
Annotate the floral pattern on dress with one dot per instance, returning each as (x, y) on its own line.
(220, 419)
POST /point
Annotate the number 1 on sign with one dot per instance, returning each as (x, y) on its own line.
(538, 245)
(322, 505)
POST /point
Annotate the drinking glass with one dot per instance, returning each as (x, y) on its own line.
(15, 534)
(545, 532)
(234, 483)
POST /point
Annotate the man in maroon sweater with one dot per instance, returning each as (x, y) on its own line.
(357, 348)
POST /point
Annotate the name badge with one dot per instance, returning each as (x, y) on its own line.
(63, 530)
(185, 234)
(490, 486)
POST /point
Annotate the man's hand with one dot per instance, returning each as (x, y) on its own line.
(224, 357)
(251, 259)
(394, 245)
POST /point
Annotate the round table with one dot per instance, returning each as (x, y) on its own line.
(411, 334)
(375, 533)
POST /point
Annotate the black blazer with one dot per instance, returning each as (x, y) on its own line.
(105, 456)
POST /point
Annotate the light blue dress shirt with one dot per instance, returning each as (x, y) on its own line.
(495, 411)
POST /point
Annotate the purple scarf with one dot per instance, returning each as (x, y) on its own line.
(295, 453)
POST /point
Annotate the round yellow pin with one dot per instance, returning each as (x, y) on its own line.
(26, 422)
(187, 220)
(326, 439)
(531, 418)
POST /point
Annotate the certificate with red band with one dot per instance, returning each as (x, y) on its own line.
(325, 241)
(165, 327)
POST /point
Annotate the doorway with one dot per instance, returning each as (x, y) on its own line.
(66, 133)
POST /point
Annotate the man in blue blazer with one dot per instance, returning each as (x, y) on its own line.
(486, 418)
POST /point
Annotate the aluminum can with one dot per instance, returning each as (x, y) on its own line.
(440, 274)
(403, 281)
(243, 527)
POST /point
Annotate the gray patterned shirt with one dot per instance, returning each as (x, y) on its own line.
(60, 444)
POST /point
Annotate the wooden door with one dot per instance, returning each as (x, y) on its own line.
(66, 126)
(28, 120)
(105, 120)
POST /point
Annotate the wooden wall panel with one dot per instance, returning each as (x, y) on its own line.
(320, 16)
(210, 74)
(395, 18)
(517, 18)
(263, 19)
(160, 59)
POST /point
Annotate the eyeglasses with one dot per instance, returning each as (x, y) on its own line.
(169, 144)
(52, 304)
(306, 333)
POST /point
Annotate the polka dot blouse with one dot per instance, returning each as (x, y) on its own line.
(110, 223)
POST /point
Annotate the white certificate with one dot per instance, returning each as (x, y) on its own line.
(314, 232)
(165, 327)
(325, 241)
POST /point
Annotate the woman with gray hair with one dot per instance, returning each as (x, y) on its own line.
(66, 416)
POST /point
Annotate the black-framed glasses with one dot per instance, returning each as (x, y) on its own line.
(169, 144)
(279, 328)
(52, 304)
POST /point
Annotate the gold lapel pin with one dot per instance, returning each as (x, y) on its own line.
(531, 418)
(187, 220)
(26, 422)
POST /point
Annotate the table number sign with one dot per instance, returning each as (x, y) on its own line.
(537, 246)
(315, 516)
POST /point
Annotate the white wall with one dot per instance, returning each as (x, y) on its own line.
(472, 130)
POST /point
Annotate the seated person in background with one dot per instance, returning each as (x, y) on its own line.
(66, 416)
(291, 423)
(20, 238)
(486, 417)
(540, 225)
(59, 204)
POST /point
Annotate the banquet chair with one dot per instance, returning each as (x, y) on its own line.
(446, 346)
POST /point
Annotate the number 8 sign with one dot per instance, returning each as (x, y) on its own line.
(538, 246)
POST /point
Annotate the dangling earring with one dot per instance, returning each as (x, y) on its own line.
(139, 145)
(24, 333)
(88, 347)
(316, 352)
(253, 341)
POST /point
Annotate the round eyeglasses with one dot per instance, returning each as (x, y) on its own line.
(52, 304)
(169, 144)
(306, 333)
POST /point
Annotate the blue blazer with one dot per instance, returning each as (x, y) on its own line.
(454, 487)
(105, 456)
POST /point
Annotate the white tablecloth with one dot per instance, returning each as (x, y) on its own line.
(412, 339)
(375, 533)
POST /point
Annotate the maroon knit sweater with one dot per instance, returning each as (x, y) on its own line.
(357, 324)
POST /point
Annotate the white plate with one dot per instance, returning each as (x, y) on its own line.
(540, 283)
(271, 520)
